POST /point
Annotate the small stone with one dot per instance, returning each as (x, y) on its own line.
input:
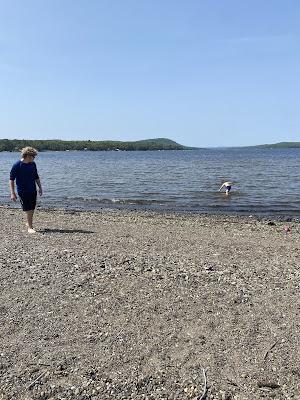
(268, 384)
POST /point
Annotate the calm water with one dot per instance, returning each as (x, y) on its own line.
(267, 180)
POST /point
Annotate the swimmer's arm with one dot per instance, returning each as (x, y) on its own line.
(221, 187)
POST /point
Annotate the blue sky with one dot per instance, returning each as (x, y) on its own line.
(203, 73)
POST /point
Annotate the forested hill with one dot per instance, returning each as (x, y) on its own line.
(281, 145)
(64, 145)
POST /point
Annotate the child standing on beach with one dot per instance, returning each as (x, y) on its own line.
(25, 173)
(227, 186)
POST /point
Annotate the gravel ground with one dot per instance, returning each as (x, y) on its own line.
(141, 305)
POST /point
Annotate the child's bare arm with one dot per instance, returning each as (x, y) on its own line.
(38, 182)
(13, 195)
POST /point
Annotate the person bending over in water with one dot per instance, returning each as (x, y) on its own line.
(227, 186)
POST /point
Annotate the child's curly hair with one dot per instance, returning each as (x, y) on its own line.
(29, 151)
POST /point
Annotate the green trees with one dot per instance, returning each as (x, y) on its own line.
(63, 145)
(281, 145)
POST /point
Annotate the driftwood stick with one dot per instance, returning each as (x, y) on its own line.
(32, 383)
(202, 397)
(267, 352)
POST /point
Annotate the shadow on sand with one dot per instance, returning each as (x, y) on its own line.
(46, 230)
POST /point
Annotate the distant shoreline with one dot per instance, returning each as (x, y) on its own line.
(88, 145)
(14, 145)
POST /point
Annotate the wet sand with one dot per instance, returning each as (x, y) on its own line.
(137, 305)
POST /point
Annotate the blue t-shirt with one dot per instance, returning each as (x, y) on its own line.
(25, 175)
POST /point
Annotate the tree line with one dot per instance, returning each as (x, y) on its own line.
(64, 145)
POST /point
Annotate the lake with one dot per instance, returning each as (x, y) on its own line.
(267, 181)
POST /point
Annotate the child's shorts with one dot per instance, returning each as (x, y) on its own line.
(28, 201)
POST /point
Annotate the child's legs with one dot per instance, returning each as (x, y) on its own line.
(29, 217)
(28, 201)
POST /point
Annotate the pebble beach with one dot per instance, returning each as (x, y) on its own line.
(141, 305)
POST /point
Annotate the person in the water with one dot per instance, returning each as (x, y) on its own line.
(227, 186)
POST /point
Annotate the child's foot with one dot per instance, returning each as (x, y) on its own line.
(31, 230)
